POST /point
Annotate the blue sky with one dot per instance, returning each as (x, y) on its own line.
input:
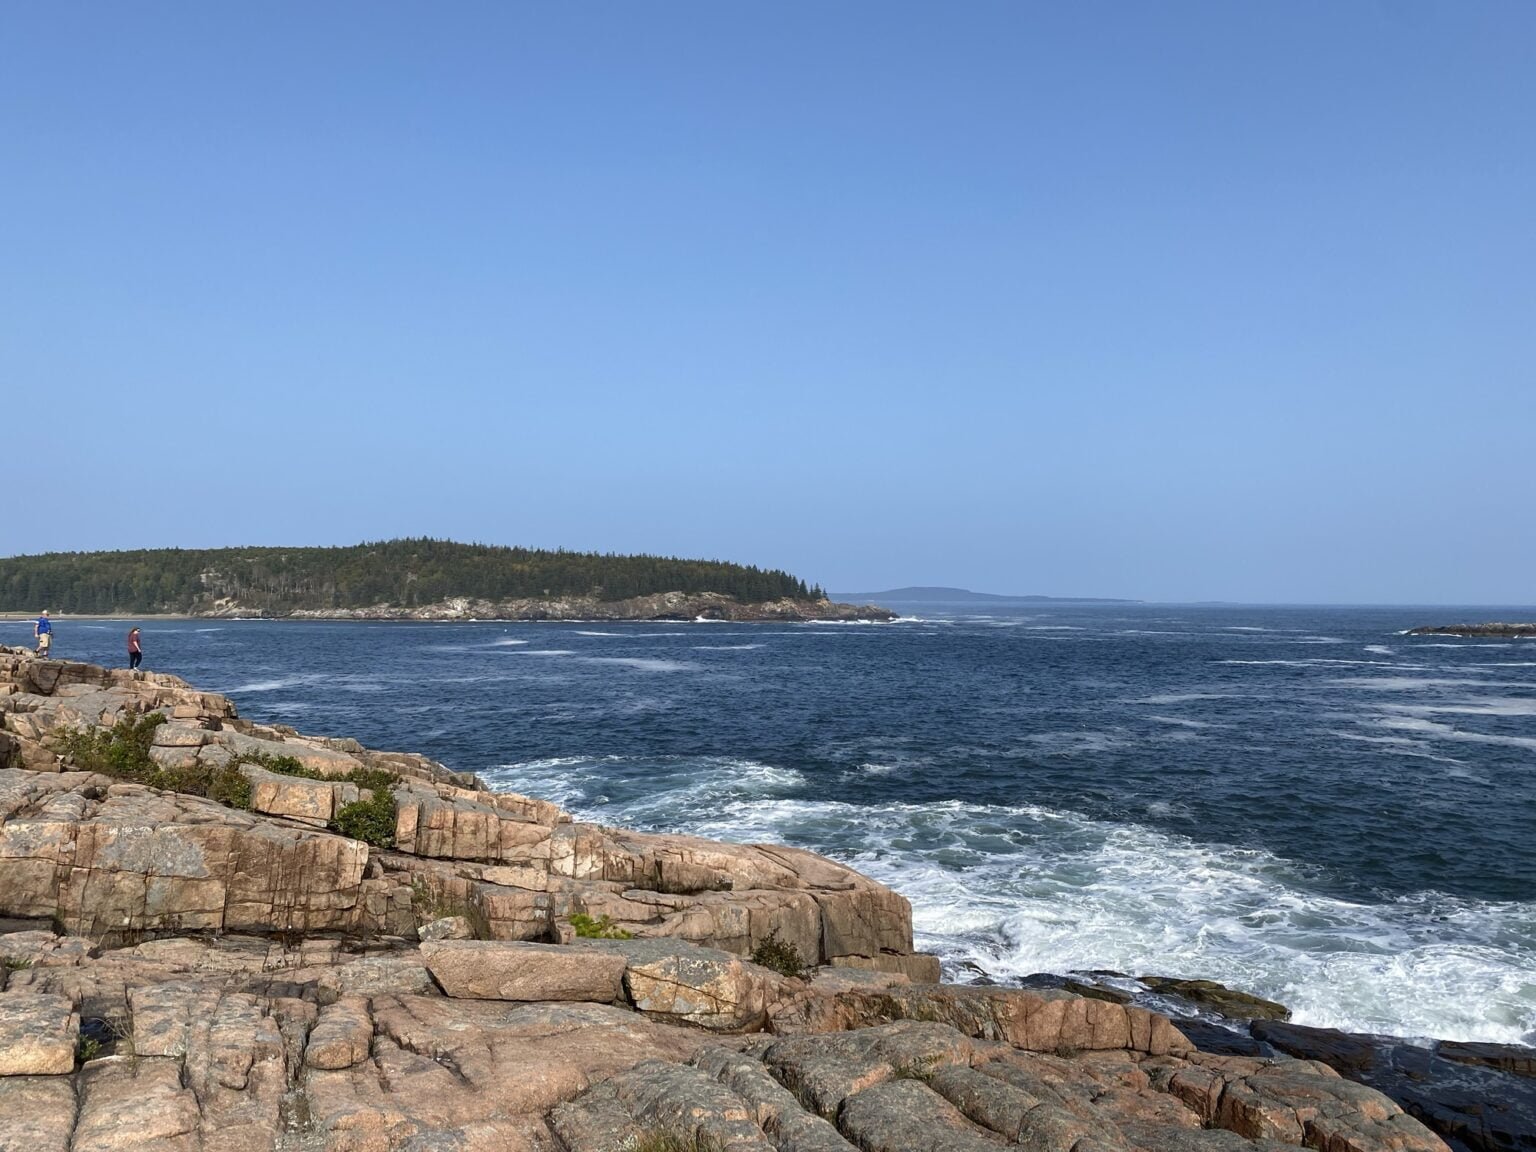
(1182, 301)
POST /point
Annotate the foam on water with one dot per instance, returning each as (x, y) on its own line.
(727, 647)
(1022, 889)
(1179, 721)
(642, 664)
(275, 684)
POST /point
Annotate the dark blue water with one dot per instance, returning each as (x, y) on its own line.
(1302, 802)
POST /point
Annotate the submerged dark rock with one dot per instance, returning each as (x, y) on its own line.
(1207, 994)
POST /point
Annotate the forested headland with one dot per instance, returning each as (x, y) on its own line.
(400, 573)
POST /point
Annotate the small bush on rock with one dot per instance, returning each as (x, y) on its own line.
(780, 955)
(122, 752)
(372, 820)
(602, 928)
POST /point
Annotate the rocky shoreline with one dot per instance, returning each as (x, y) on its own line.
(1493, 629)
(661, 606)
(220, 933)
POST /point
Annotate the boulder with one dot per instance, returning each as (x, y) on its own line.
(681, 983)
(496, 970)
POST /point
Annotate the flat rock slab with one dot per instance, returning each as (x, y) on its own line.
(37, 1113)
(38, 1034)
(498, 970)
(130, 1103)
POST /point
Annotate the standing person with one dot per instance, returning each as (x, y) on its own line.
(43, 630)
(135, 653)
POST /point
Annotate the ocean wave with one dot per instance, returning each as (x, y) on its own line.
(1022, 889)
(726, 647)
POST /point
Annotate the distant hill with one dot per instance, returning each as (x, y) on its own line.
(404, 574)
(932, 595)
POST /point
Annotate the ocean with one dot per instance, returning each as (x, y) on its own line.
(1302, 803)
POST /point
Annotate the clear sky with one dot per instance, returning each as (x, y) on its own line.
(1173, 301)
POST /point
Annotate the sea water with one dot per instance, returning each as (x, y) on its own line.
(1303, 803)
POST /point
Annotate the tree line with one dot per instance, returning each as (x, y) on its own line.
(401, 573)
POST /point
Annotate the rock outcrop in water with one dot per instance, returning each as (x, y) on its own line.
(182, 974)
(1495, 629)
(659, 606)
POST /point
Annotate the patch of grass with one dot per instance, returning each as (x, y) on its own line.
(16, 963)
(89, 1048)
(601, 928)
(658, 1140)
(780, 955)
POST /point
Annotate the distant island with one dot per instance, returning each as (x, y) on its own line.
(418, 579)
(1495, 629)
(939, 595)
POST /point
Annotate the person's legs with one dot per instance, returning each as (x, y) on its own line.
(133, 659)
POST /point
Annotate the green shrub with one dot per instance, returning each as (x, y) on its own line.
(15, 963)
(780, 955)
(372, 820)
(122, 752)
(602, 928)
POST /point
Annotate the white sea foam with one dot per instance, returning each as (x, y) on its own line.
(1463, 645)
(1410, 723)
(1404, 683)
(544, 652)
(1398, 746)
(1324, 663)
(1183, 723)
(727, 647)
(1379, 649)
(580, 633)
(276, 684)
(643, 664)
(507, 643)
(1187, 697)
(1026, 889)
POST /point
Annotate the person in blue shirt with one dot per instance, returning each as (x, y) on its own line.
(43, 630)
